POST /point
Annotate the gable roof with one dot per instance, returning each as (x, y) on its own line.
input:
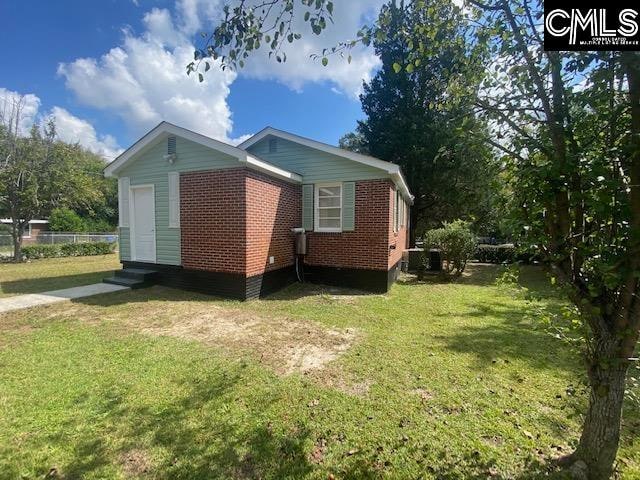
(166, 128)
(391, 168)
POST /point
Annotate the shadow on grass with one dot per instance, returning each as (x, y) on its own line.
(480, 274)
(513, 332)
(297, 291)
(223, 446)
(43, 284)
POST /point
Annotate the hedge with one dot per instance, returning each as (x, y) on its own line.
(495, 253)
(31, 252)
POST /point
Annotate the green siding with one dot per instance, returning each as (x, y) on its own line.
(151, 168)
(315, 166)
(307, 207)
(125, 246)
(348, 206)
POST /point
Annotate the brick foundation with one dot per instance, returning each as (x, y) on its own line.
(232, 221)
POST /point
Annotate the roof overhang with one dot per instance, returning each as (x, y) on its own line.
(166, 129)
(37, 221)
(392, 169)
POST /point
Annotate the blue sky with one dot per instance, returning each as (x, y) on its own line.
(109, 71)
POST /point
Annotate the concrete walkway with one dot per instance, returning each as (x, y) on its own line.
(54, 296)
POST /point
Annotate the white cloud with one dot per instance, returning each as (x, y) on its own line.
(300, 68)
(28, 105)
(72, 129)
(144, 81)
(69, 128)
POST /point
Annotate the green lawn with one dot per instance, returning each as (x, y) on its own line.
(438, 381)
(54, 273)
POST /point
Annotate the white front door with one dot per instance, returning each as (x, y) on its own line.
(143, 228)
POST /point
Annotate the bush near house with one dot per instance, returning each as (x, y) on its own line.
(67, 220)
(495, 253)
(32, 252)
(456, 243)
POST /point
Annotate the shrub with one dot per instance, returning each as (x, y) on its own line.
(456, 243)
(495, 253)
(32, 252)
(98, 225)
(65, 220)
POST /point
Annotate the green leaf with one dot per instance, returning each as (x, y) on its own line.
(409, 68)
(306, 16)
(397, 67)
(206, 66)
(325, 61)
(200, 77)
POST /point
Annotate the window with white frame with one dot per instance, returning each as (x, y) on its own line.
(328, 203)
(396, 212)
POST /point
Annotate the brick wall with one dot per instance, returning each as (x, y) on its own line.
(273, 209)
(212, 220)
(233, 220)
(367, 247)
(399, 238)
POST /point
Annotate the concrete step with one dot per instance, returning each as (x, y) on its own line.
(132, 283)
(143, 274)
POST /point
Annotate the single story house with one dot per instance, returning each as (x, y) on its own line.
(200, 214)
(31, 232)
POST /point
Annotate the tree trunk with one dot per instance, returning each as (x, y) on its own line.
(413, 223)
(601, 431)
(16, 236)
(17, 247)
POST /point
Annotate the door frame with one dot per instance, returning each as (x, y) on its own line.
(132, 220)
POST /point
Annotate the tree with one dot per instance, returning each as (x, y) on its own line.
(355, 142)
(413, 120)
(569, 124)
(65, 220)
(99, 212)
(37, 173)
(573, 144)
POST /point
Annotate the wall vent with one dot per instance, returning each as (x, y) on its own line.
(273, 145)
(171, 146)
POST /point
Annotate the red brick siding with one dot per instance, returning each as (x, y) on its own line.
(36, 229)
(234, 220)
(273, 209)
(399, 238)
(367, 246)
(212, 220)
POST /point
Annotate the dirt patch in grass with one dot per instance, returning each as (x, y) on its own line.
(285, 345)
(135, 463)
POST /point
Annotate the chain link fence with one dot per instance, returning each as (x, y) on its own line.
(51, 238)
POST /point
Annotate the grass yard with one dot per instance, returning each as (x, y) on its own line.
(430, 381)
(54, 273)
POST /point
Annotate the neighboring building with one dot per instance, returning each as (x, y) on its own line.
(30, 234)
(211, 217)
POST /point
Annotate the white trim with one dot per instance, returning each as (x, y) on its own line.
(173, 181)
(132, 228)
(391, 168)
(263, 166)
(124, 185)
(316, 208)
(8, 220)
(165, 129)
